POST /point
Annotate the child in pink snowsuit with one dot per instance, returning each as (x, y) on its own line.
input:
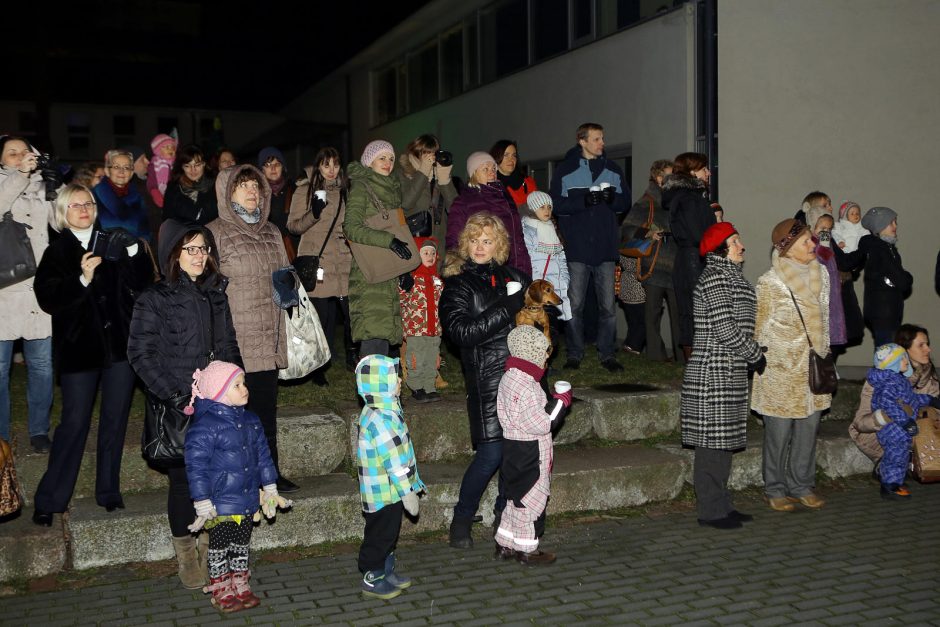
(158, 172)
(526, 469)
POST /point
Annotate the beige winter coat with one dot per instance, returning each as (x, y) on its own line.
(864, 427)
(248, 254)
(25, 195)
(337, 258)
(783, 390)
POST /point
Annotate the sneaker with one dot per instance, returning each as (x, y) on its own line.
(895, 492)
(572, 364)
(396, 579)
(40, 443)
(420, 396)
(377, 586)
(612, 365)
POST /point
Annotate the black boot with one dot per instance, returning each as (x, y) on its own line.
(352, 358)
(460, 537)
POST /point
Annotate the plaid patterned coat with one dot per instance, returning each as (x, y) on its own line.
(714, 405)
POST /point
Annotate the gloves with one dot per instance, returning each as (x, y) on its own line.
(443, 174)
(759, 366)
(123, 237)
(513, 302)
(411, 502)
(400, 248)
(271, 500)
(564, 397)
(593, 197)
(316, 207)
(205, 511)
(406, 282)
(608, 194)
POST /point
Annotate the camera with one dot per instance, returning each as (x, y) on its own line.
(444, 158)
(106, 246)
(49, 170)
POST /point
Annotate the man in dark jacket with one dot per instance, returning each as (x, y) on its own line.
(589, 192)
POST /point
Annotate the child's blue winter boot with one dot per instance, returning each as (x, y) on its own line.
(377, 586)
(399, 581)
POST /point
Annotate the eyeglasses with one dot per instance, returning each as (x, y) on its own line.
(122, 168)
(83, 205)
(249, 185)
(192, 251)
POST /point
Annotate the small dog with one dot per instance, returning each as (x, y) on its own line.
(541, 294)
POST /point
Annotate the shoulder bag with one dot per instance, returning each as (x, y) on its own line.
(17, 261)
(640, 245)
(380, 264)
(822, 370)
(307, 348)
(307, 266)
(165, 426)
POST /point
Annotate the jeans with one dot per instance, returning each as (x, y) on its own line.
(486, 462)
(603, 274)
(39, 384)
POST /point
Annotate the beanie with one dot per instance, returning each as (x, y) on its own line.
(426, 242)
(373, 149)
(877, 218)
(212, 382)
(714, 236)
(477, 159)
(160, 140)
(785, 234)
(814, 214)
(889, 356)
(266, 153)
(528, 344)
(845, 206)
(537, 200)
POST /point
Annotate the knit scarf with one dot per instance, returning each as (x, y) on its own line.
(250, 217)
(889, 239)
(429, 274)
(547, 238)
(278, 185)
(119, 190)
(525, 366)
(805, 281)
(191, 189)
(511, 181)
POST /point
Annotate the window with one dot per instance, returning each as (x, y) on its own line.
(422, 77)
(452, 69)
(124, 133)
(549, 28)
(471, 53)
(78, 127)
(167, 124)
(388, 85)
(206, 128)
(612, 15)
(504, 43)
(582, 20)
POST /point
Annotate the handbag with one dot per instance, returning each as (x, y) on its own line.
(822, 369)
(640, 245)
(17, 261)
(165, 426)
(379, 264)
(307, 266)
(419, 224)
(307, 348)
(10, 499)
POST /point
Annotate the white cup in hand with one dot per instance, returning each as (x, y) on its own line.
(321, 194)
(562, 386)
(604, 186)
(512, 287)
(595, 188)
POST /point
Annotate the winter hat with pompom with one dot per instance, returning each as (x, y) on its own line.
(889, 356)
(212, 382)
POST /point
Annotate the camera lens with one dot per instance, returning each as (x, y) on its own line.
(444, 158)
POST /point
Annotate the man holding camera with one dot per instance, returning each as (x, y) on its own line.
(589, 192)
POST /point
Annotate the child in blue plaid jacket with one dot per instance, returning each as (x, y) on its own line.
(388, 474)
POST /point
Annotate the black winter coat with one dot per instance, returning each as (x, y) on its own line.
(178, 206)
(178, 327)
(89, 324)
(887, 283)
(475, 320)
(690, 213)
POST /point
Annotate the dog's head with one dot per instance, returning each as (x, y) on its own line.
(541, 293)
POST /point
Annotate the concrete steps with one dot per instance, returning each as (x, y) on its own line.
(589, 474)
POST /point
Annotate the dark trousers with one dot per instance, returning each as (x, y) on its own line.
(486, 461)
(657, 299)
(328, 310)
(685, 276)
(380, 537)
(262, 400)
(373, 347)
(79, 390)
(635, 314)
(883, 329)
(710, 472)
(179, 505)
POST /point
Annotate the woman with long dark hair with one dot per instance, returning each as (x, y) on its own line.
(511, 173)
(316, 215)
(190, 196)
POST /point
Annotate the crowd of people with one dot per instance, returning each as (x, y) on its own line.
(157, 267)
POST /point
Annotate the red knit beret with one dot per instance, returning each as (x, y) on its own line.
(715, 236)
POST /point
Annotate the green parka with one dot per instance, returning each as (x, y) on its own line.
(374, 309)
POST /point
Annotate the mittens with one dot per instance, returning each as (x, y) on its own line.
(412, 503)
(271, 501)
(564, 397)
(205, 511)
(608, 194)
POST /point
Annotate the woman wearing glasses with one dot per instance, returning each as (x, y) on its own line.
(119, 203)
(90, 301)
(190, 196)
(177, 324)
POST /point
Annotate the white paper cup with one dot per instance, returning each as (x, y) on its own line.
(605, 185)
(595, 188)
(562, 386)
(321, 194)
(512, 287)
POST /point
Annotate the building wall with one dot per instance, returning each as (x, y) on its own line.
(838, 96)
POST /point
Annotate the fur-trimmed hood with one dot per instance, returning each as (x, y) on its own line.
(684, 181)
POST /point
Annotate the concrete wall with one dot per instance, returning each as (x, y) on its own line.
(839, 96)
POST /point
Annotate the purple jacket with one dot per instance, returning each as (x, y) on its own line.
(490, 198)
(837, 333)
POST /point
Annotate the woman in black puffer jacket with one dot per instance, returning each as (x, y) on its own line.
(179, 325)
(477, 315)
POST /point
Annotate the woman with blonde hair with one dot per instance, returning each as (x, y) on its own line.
(481, 297)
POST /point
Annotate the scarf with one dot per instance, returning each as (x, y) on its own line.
(923, 373)
(119, 190)
(547, 238)
(514, 180)
(278, 185)
(888, 239)
(805, 281)
(525, 366)
(250, 217)
(191, 189)
(429, 275)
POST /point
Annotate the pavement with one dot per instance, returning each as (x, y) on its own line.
(859, 560)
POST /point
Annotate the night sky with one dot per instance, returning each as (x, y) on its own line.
(235, 55)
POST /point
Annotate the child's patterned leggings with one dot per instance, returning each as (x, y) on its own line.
(228, 547)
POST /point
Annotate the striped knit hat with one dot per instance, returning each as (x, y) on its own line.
(212, 382)
(889, 356)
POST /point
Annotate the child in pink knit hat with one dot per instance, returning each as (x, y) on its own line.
(158, 172)
(227, 461)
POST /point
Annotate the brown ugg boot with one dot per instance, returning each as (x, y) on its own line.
(191, 574)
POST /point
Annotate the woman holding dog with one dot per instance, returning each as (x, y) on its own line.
(478, 307)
